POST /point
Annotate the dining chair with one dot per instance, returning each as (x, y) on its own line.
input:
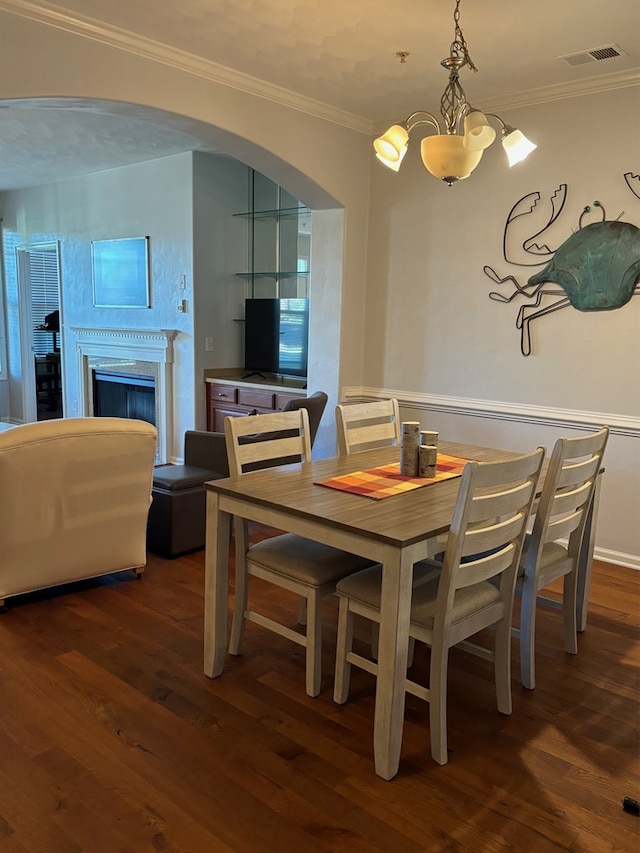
(455, 599)
(561, 514)
(309, 569)
(362, 426)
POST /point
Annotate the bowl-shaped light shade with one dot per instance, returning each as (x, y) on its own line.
(394, 165)
(390, 145)
(517, 146)
(446, 157)
(478, 133)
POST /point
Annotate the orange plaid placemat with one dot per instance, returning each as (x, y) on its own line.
(383, 482)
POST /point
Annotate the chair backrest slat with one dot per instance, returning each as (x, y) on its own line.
(562, 528)
(481, 539)
(485, 567)
(361, 426)
(295, 444)
(496, 504)
(581, 471)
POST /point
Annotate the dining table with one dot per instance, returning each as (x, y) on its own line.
(396, 532)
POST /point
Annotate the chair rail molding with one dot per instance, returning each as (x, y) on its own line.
(626, 425)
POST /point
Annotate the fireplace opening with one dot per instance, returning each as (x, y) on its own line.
(123, 395)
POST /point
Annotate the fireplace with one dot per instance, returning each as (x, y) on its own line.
(138, 360)
(122, 395)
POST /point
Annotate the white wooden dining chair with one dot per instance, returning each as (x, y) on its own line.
(362, 426)
(309, 569)
(455, 599)
(561, 514)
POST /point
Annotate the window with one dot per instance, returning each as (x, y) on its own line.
(3, 311)
(39, 266)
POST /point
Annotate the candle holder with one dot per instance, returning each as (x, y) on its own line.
(428, 461)
(409, 448)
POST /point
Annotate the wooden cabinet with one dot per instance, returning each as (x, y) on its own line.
(225, 400)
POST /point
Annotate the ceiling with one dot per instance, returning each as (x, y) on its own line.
(339, 56)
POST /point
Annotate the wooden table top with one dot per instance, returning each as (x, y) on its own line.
(399, 520)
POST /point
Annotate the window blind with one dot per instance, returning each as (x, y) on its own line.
(42, 269)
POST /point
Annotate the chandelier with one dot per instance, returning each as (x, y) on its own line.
(450, 154)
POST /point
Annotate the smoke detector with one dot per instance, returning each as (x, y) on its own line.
(596, 54)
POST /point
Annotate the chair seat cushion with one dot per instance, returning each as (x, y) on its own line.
(304, 560)
(172, 478)
(552, 552)
(366, 586)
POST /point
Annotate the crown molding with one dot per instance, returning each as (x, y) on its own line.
(561, 91)
(547, 94)
(94, 30)
(89, 28)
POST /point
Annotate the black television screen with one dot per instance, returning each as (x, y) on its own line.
(276, 336)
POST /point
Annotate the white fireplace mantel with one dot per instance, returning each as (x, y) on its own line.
(150, 347)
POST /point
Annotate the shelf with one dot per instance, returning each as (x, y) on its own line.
(278, 241)
(270, 274)
(278, 213)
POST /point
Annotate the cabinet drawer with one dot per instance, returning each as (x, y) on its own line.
(255, 397)
(223, 393)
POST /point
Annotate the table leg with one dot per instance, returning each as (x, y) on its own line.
(216, 596)
(392, 661)
(585, 559)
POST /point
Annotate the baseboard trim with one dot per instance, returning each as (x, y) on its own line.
(616, 558)
(494, 409)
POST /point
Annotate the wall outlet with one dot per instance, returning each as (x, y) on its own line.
(208, 344)
(74, 406)
(182, 282)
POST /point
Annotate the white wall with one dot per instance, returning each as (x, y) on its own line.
(220, 188)
(154, 199)
(435, 338)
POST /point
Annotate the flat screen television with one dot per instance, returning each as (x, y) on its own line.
(276, 336)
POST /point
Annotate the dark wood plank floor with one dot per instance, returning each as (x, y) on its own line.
(112, 739)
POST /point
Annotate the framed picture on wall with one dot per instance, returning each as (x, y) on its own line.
(121, 273)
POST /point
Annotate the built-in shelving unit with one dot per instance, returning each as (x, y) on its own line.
(279, 241)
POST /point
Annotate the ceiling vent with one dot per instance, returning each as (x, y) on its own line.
(596, 54)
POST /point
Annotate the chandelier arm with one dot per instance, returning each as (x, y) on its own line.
(463, 109)
(419, 118)
(505, 128)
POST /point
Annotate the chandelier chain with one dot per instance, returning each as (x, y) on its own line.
(459, 44)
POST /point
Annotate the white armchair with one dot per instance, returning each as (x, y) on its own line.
(74, 499)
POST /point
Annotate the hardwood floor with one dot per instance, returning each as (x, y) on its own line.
(112, 739)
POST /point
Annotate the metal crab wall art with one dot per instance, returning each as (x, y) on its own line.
(597, 268)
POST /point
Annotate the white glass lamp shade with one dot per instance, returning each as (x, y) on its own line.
(394, 165)
(391, 144)
(478, 133)
(446, 157)
(516, 145)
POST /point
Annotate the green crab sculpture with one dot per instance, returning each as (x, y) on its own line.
(597, 267)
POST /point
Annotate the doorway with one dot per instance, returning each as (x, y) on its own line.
(38, 267)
